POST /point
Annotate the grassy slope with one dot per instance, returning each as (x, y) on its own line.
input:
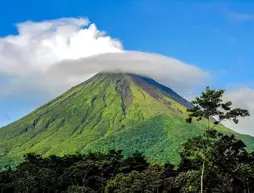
(97, 116)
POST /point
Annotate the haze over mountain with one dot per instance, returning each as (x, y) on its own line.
(109, 111)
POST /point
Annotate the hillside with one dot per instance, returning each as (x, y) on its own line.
(110, 110)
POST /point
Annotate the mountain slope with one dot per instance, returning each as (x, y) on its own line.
(110, 110)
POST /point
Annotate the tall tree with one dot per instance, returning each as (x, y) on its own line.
(209, 106)
(229, 166)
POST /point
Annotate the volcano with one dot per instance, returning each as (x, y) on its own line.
(109, 111)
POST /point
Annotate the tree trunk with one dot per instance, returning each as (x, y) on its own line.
(208, 123)
(202, 178)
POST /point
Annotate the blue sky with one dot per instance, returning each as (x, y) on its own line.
(215, 36)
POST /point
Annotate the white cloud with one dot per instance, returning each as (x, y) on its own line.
(54, 55)
(242, 98)
(174, 73)
(47, 58)
(25, 57)
(41, 44)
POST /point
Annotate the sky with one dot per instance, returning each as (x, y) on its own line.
(48, 46)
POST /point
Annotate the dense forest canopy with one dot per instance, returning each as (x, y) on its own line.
(229, 169)
(212, 163)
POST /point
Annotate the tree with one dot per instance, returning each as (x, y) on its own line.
(137, 162)
(229, 167)
(150, 180)
(210, 105)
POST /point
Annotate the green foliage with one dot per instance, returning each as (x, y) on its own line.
(157, 137)
(80, 189)
(228, 166)
(186, 182)
(229, 169)
(76, 173)
(150, 180)
(210, 104)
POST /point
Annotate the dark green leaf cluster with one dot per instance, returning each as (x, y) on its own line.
(228, 168)
(75, 173)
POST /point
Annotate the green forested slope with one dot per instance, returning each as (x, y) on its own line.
(122, 111)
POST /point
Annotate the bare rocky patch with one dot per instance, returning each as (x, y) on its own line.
(124, 91)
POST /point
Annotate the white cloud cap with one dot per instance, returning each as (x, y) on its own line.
(174, 73)
(51, 56)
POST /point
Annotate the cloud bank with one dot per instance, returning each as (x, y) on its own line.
(242, 98)
(49, 57)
